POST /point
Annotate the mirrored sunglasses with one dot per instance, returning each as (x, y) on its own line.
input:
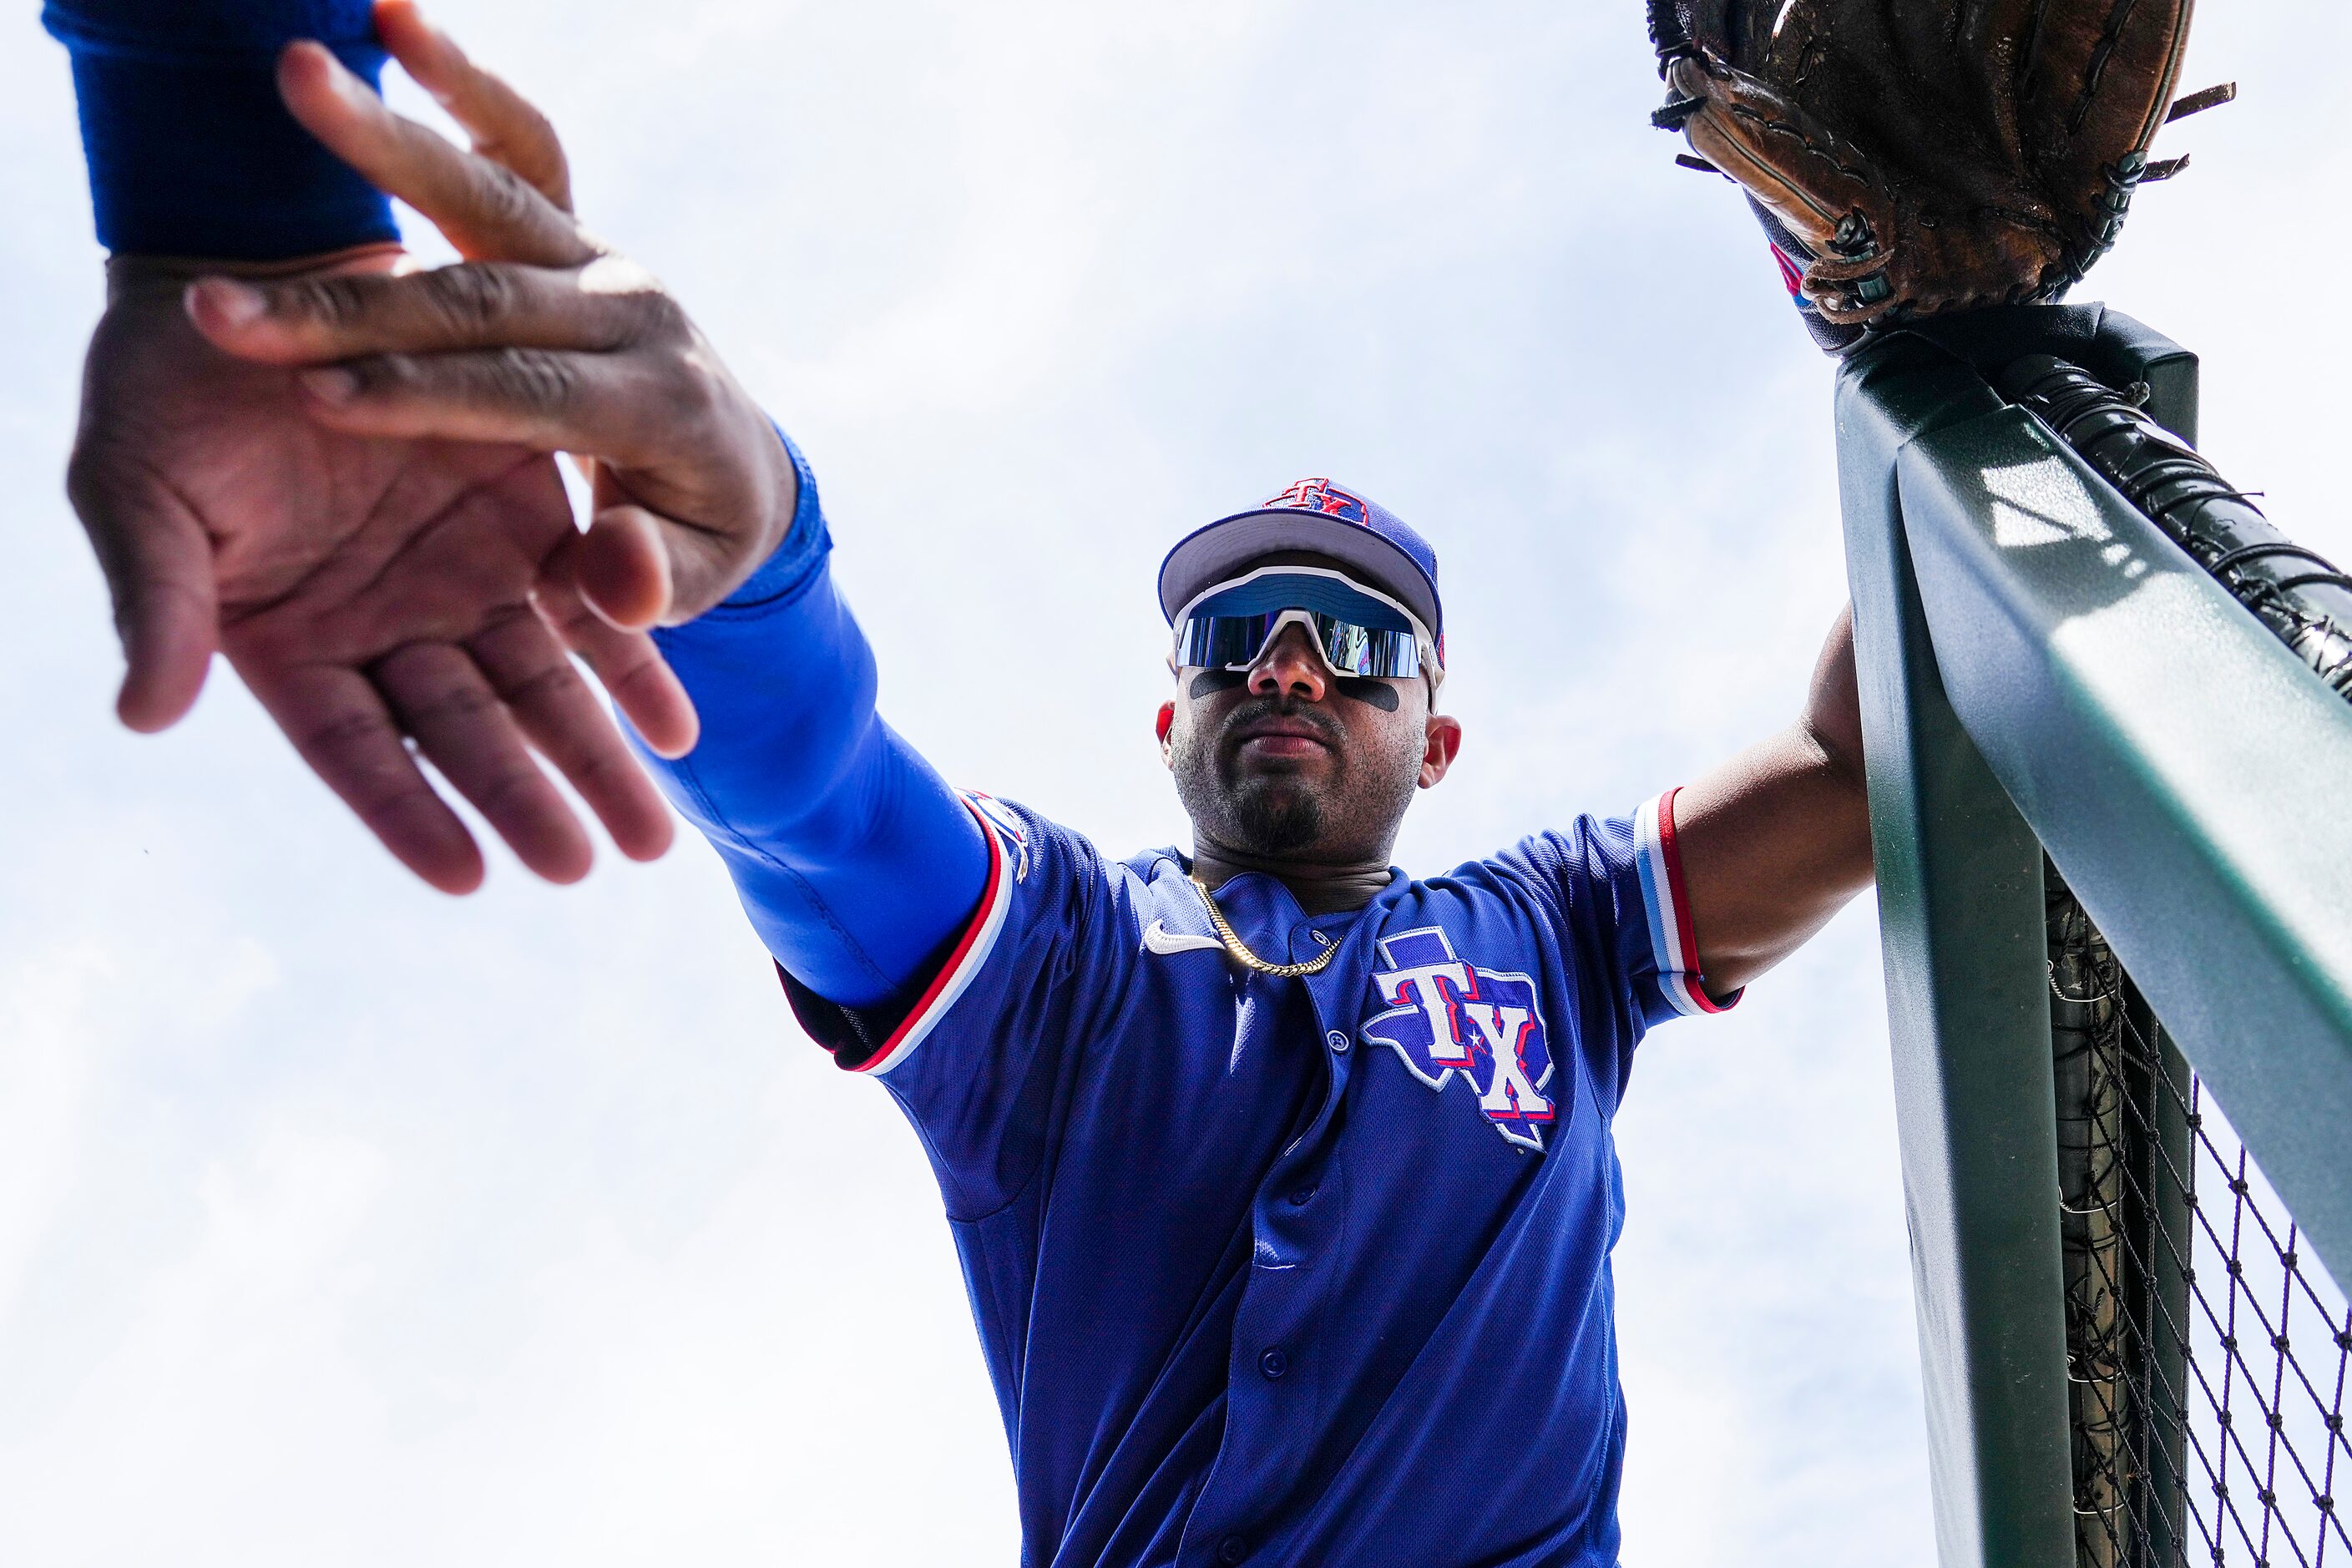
(1239, 641)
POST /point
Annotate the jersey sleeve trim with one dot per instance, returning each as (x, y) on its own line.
(963, 962)
(1673, 939)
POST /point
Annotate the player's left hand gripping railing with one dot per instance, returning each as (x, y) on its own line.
(2041, 666)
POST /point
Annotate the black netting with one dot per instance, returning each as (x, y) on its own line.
(2207, 1348)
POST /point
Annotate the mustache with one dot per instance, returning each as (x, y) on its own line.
(1297, 710)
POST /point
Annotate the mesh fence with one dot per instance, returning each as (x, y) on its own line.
(2207, 1347)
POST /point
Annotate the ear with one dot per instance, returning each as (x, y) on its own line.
(1442, 744)
(1166, 722)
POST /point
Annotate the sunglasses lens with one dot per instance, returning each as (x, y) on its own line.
(1367, 650)
(1234, 642)
(1220, 642)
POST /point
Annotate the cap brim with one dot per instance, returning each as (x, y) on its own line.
(1219, 551)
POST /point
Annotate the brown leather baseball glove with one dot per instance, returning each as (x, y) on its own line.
(1925, 155)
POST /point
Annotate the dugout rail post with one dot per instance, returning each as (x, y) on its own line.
(2042, 669)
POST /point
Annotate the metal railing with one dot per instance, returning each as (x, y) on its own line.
(2104, 794)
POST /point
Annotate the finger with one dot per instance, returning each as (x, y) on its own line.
(484, 209)
(630, 564)
(308, 321)
(339, 725)
(640, 566)
(647, 412)
(627, 664)
(551, 400)
(506, 127)
(159, 569)
(535, 678)
(440, 698)
(623, 568)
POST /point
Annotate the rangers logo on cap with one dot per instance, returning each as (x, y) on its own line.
(1323, 496)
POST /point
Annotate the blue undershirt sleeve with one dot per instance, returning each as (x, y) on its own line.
(191, 152)
(854, 858)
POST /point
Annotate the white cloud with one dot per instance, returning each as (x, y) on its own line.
(41, 1093)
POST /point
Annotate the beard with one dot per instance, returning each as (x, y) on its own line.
(1280, 812)
(1272, 817)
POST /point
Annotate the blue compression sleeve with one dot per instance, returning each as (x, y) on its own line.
(191, 152)
(855, 860)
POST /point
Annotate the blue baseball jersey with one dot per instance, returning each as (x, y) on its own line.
(1307, 1270)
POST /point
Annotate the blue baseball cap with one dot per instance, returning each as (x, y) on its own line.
(1315, 515)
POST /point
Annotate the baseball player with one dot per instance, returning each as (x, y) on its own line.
(1282, 1180)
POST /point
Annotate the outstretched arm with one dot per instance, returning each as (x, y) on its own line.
(1777, 840)
(855, 860)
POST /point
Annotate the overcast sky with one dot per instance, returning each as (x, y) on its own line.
(341, 1222)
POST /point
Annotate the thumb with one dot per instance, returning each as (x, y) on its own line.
(638, 569)
(622, 567)
(159, 569)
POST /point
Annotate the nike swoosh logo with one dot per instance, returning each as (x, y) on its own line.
(1158, 939)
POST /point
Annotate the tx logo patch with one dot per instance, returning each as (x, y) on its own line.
(1323, 496)
(1446, 1017)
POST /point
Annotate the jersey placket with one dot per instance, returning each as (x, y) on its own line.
(1275, 1372)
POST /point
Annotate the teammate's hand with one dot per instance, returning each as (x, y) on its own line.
(374, 580)
(542, 339)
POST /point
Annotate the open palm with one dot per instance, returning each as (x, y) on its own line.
(365, 588)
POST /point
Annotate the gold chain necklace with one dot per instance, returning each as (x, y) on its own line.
(1240, 950)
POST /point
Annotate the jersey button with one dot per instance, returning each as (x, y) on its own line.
(1300, 1197)
(1232, 1549)
(1274, 1363)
